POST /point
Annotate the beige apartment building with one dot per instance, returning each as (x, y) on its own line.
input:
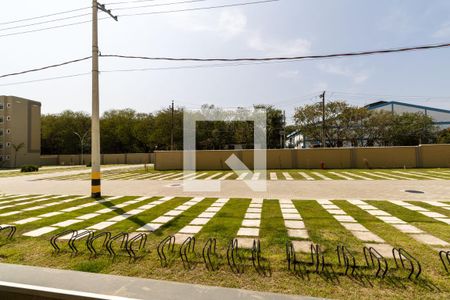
(20, 128)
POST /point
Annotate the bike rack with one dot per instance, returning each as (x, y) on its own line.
(445, 255)
(257, 260)
(78, 236)
(405, 256)
(372, 253)
(12, 230)
(142, 238)
(109, 244)
(209, 251)
(187, 252)
(346, 258)
(234, 258)
(93, 238)
(169, 244)
(293, 264)
(317, 257)
(54, 238)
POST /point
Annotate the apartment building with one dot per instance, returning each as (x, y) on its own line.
(20, 132)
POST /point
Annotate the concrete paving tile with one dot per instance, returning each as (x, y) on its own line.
(70, 209)
(181, 237)
(150, 227)
(222, 200)
(88, 216)
(445, 220)
(217, 205)
(367, 236)
(67, 223)
(40, 231)
(50, 214)
(292, 216)
(429, 239)
(174, 213)
(183, 207)
(287, 205)
(377, 212)
(252, 216)
(302, 246)
(354, 227)
(207, 215)
(345, 219)
(251, 223)
(289, 211)
(148, 206)
(416, 208)
(200, 221)
(135, 211)
(391, 220)
(294, 224)
(330, 206)
(255, 205)
(25, 221)
(101, 225)
(69, 236)
(33, 208)
(213, 209)
(432, 214)
(336, 212)
(190, 229)
(119, 218)
(406, 228)
(10, 213)
(245, 243)
(163, 219)
(367, 207)
(298, 233)
(383, 249)
(254, 210)
(244, 231)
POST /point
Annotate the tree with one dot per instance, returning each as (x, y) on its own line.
(409, 129)
(17, 148)
(443, 136)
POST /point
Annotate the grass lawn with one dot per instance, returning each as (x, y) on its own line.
(322, 227)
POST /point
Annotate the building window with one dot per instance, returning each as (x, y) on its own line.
(8, 118)
(8, 144)
(1, 120)
(1, 146)
(1, 132)
(7, 157)
(8, 105)
(8, 131)
(1, 106)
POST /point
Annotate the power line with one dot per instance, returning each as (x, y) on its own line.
(46, 67)
(160, 4)
(129, 2)
(309, 57)
(198, 8)
(45, 16)
(45, 79)
(45, 22)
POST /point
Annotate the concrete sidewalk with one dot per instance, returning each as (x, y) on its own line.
(63, 284)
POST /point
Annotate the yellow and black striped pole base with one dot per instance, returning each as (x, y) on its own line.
(96, 185)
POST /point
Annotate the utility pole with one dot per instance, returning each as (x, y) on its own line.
(171, 127)
(95, 127)
(323, 118)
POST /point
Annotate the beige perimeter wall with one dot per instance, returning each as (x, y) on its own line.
(106, 159)
(423, 156)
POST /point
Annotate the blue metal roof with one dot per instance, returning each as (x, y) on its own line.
(386, 103)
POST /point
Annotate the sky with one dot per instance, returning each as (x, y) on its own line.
(280, 28)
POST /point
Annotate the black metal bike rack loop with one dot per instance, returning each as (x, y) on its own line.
(90, 242)
(79, 236)
(187, 253)
(445, 259)
(141, 238)
(370, 252)
(165, 249)
(234, 258)
(12, 230)
(210, 256)
(110, 243)
(261, 265)
(404, 256)
(346, 258)
(54, 238)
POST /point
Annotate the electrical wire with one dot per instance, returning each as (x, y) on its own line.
(129, 2)
(198, 8)
(45, 79)
(46, 67)
(45, 22)
(45, 16)
(296, 58)
(159, 4)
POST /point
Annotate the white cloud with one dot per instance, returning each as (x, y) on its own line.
(358, 77)
(272, 47)
(232, 22)
(443, 31)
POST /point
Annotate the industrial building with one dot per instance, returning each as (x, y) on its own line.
(20, 132)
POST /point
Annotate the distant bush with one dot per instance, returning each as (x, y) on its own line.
(88, 165)
(29, 168)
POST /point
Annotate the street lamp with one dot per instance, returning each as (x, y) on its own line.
(81, 137)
